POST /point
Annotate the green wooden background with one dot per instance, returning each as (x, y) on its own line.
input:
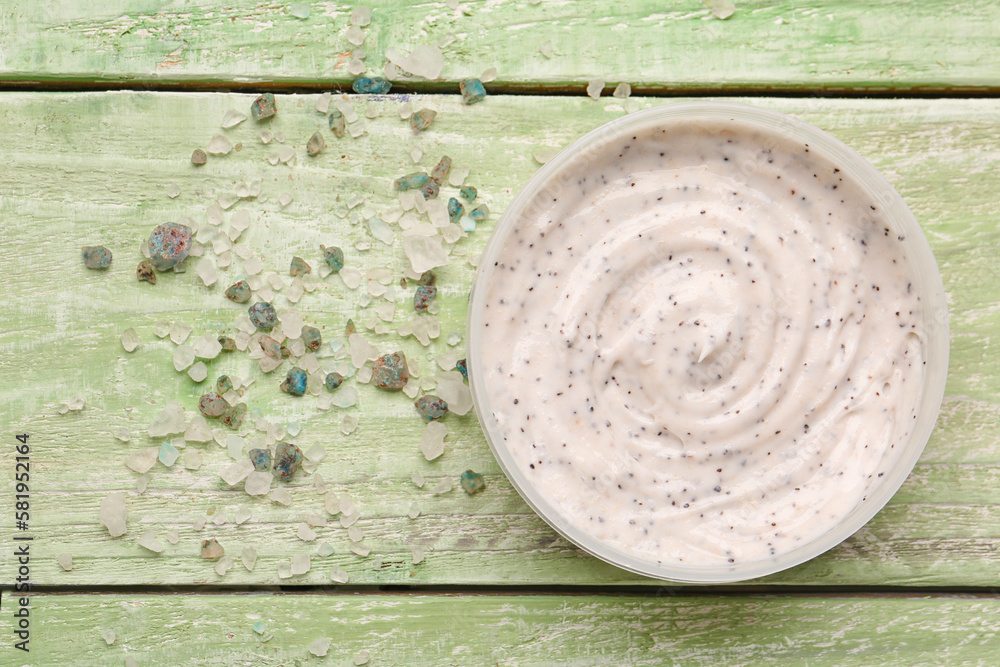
(496, 584)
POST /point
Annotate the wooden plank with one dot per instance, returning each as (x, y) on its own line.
(218, 630)
(884, 46)
(95, 168)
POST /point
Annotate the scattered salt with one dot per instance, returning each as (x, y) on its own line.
(361, 16)
(249, 557)
(219, 145)
(417, 479)
(721, 9)
(237, 472)
(281, 496)
(173, 536)
(622, 91)
(300, 11)
(320, 647)
(455, 392)
(168, 454)
(414, 511)
(130, 340)
(444, 486)
(142, 460)
(108, 636)
(362, 657)
(258, 483)
(594, 88)
(232, 118)
(65, 561)
(113, 514)
(161, 329)
(489, 74)
(198, 372)
(149, 541)
(339, 575)
(360, 549)
(355, 35)
(183, 357)
(179, 332)
(300, 564)
(169, 421)
(305, 533)
(418, 554)
(432, 440)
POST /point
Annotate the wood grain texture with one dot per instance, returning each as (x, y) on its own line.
(843, 45)
(217, 630)
(94, 168)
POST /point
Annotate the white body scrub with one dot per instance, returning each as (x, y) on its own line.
(703, 346)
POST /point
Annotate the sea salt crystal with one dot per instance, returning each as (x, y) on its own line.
(414, 511)
(252, 266)
(339, 575)
(226, 201)
(418, 554)
(622, 91)
(219, 145)
(183, 357)
(423, 61)
(305, 533)
(192, 459)
(349, 424)
(300, 11)
(360, 549)
(232, 118)
(355, 35)
(542, 155)
(173, 191)
(594, 88)
(161, 329)
(142, 460)
(234, 446)
(425, 253)
(207, 347)
(249, 558)
(198, 372)
(223, 565)
(285, 199)
(361, 16)
(455, 392)
(168, 454)
(237, 472)
(170, 420)
(179, 332)
(380, 230)
(281, 496)
(300, 564)
(444, 486)
(320, 647)
(432, 440)
(458, 174)
(361, 350)
(721, 9)
(258, 483)
(284, 570)
(285, 154)
(199, 523)
(130, 340)
(149, 541)
(113, 514)
(489, 74)
(173, 536)
(108, 636)
(417, 479)
(220, 519)
(545, 48)
(371, 111)
(122, 433)
(355, 533)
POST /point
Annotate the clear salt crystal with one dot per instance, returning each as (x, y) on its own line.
(349, 424)
(240, 220)
(242, 515)
(249, 557)
(223, 565)
(346, 108)
(300, 564)
(192, 459)
(355, 533)
(243, 190)
(425, 253)
(122, 433)
(356, 66)
(390, 71)
(252, 266)
(168, 422)
(173, 536)
(285, 199)
(325, 550)
(130, 340)
(542, 155)
(377, 563)
(226, 201)
(418, 554)
(149, 541)
(161, 329)
(284, 570)
(296, 290)
(198, 372)
(348, 520)
(360, 548)
(380, 230)
(417, 479)
(323, 103)
(320, 647)
(356, 129)
(300, 11)
(221, 244)
(173, 191)
(258, 483)
(721, 9)
(458, 174)
(305, 533)
(207, 347)
(371, 111)
(108, 636)
(179, 332)
(414, 511)
(286, 153)
(199, 523)
(489, 74)
(339, 575)
(142, 460)
(444, 486)
(234, 446)
(361, 350)
(206, 271)
(281, 496)
(594, 88)
(432, 440)
(273, 158)
(316, 453)
(113, 514)
(361, 16)
(423, 61)
(237, 472)
(355, 35)
(545, 48)
(183, 357)
(364, 375)
(454, 338)
(232, 118)
(220, 519)
(219, 145)
(622, 91)
(215, 215)
(455, 392)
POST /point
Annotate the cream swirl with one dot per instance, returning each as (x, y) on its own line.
(701, 362)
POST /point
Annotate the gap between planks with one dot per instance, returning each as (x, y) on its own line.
(693, 89)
